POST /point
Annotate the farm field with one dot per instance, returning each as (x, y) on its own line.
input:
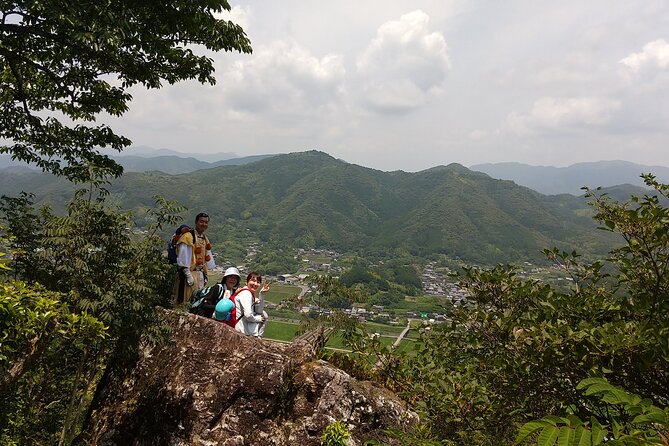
(285, 331)
(383, 329)
(279, 292)
(280, 331)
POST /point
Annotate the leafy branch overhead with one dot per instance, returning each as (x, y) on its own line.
(62, 64)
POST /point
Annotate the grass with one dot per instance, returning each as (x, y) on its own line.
(280, 331)
(279, 292)
(412, 334)
(383, 329)
(318, 259)
(293, 315)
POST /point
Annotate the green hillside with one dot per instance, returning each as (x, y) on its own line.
(310, 199)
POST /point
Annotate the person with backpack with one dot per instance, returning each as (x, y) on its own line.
(248, 301)
(230, 281)
(204, 302)
(194, 260)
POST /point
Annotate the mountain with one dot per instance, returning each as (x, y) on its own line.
(176, 165)
(6, 162)
(310, 199)
(150, 152)
(560, 180)
(165, 163)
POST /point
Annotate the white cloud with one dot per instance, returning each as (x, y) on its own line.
(284, 77)
(549, 113)
(404, 64)
(653, 54)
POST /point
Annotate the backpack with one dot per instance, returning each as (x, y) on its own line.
(203, 301)
(231, 319)
(172, 244)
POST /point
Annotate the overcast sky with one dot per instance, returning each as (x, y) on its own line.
(411, 85)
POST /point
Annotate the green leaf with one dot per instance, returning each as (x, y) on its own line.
(652, 417)
(582, 437)
(565, 436)
(528, 429)
(548, 436)
(598, 431)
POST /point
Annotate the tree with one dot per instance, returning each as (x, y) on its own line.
(517, 350)
(94, 268)
(64, 63)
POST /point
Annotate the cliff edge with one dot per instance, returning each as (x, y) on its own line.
(213, 386)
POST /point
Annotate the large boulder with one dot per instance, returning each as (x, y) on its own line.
(213, 386)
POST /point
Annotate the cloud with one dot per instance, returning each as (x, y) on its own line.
(403, 65)
(240, 15)
(653, 55)
(284, 77)
(549, 113)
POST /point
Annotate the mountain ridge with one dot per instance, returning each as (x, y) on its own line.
(551, 180)
(310, 199)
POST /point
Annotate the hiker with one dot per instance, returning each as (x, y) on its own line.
(229, 284)
(230, 281)
(251, 317)
(194, 259)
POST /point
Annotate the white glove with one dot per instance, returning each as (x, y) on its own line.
(189, 277)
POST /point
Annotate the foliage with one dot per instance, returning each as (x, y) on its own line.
(70, 62)
(384, 284)
(514, 350)
(274, 261)
(630, 421)
(93, 260)
(335, 434)
(19, 213)
(38, 330)
(419, 435)
(104, 268)
(330, 292)
(30, 318)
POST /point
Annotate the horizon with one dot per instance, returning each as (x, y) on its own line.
(148, 152)
(233, 155)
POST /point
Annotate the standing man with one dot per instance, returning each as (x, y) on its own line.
(194, 259)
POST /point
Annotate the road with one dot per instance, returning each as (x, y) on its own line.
(401, 336)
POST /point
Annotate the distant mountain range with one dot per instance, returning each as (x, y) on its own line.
(547, 180)
(311, 199)
(171, 164)
(569, 180)
(150, 152)
(176, 165)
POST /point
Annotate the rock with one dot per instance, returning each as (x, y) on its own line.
(213, 386)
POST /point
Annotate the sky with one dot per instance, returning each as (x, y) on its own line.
(399, 85)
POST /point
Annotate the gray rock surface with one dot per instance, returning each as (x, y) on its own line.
(213, 386)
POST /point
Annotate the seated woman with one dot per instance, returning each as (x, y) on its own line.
(251, 319)
(230, 281)
(204, 301)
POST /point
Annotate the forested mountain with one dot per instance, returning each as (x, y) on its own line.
(569, 180)
(310, 199)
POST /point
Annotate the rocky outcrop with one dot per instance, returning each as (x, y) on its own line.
(213, 386)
